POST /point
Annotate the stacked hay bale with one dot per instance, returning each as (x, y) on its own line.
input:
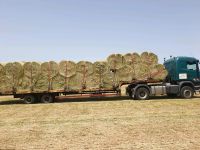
(145, 66)
(67, 71)
(101, 77)
(13, 74)
(84, 73)
(47, 75)
(133, 60)
(115, 63)
(68, 76)
(151, 68)
(31, 74)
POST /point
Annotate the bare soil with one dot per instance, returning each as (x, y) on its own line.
(103, 124)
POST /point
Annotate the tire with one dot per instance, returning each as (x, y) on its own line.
(47, 98)
(142, 94)
(187, 92)
(29, 99)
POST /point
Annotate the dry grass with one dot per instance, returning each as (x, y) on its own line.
(125, 124)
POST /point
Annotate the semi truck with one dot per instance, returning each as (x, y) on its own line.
(183, 80)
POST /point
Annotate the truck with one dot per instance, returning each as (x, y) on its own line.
(183, 80)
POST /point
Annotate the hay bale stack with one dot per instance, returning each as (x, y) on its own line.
(144, 66)
(67, 69)
(13, 76)
(67, 75)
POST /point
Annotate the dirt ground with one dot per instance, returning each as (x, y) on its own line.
(103, 124)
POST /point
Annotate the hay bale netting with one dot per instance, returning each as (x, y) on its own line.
(31, 75)
(67, 69)
(13, 77)
(49, 71)
(84, 72)
(133, 60)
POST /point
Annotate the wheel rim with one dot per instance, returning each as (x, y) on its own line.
(143, 94)
(29, 99)
(46, 98)
(187, 93)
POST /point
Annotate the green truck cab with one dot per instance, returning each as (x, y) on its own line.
(183, 69)
(183, 80)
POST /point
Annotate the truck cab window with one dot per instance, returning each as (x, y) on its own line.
(192, 66)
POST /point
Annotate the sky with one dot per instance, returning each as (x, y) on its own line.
(43, 30)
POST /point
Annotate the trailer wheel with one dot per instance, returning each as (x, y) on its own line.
(187, 92)
(142, 93)
(29, 99)
(47, 98)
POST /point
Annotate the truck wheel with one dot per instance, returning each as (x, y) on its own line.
(142, 93)
(47, 98)
(29, 99)
(187, 92)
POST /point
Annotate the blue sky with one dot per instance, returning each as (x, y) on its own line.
(42, 30)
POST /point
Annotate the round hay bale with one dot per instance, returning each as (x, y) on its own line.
(97, 80)
(132, 59)
(76, 83)
(115, 61)
(100, 67)
(142, 72)
(31, 69)
(58, 83)
(67, 68)
(125, 73)
(84, 71)
(13, 73)
(49, 70)
(149, 58)
(85, 67)
(31, 76)
(159, 72)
